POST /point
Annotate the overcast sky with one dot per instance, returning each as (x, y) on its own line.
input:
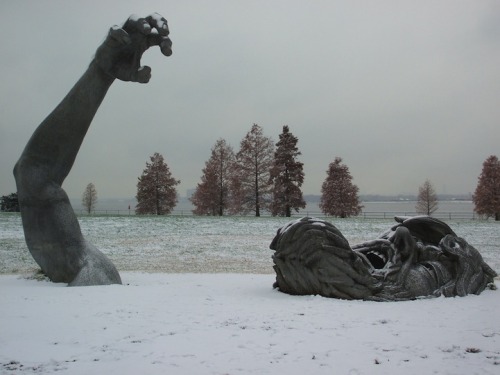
(403, 91)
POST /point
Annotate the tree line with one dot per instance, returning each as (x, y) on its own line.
(260, 176)
(267, 176)
(264, 176)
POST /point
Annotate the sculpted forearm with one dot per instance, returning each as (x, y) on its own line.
(55, 143)
(53, 147)
(50, 225)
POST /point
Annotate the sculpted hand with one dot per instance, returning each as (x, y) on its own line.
(120, 54)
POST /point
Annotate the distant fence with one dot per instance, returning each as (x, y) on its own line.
(437, 215)
(363, 215)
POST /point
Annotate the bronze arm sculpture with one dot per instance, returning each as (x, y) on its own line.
(419, 256)
(50, 225)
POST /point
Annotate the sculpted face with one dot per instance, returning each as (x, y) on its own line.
(418, 256)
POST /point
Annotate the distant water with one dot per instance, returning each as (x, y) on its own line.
(408, 206)
(121, 205)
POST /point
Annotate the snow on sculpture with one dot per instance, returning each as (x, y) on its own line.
(50, 225)
(419, 256)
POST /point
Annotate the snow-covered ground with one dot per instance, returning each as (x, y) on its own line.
(209, 244)
(221, 315)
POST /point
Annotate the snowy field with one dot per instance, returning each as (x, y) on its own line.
(194, 244)
(197, 299)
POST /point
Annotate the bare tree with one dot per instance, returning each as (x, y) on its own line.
(339, 196)
(211, 196)
(250, 185)
(427, 202)
(486, 198)
(287, 176)
(89, 198)
(156, 193)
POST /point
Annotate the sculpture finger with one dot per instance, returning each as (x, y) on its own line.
(124, 73)
(165, 43)
(117, 36)
(143, 75)
(135, 23)
(158, 22)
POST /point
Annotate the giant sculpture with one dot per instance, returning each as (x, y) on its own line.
(419, 256)
(51, 228)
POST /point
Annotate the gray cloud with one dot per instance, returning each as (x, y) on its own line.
(402, 91)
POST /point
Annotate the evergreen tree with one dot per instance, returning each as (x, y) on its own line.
(156, 193)
(287, 176)
(339, 196)
(9, 203)
(89, 198)
(427, 202)
(211, 196)
(250, 185)
(486, 198)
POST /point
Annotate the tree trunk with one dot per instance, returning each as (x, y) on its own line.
(157, 198)
(221, 199)
(257, 203)
(221, 188)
